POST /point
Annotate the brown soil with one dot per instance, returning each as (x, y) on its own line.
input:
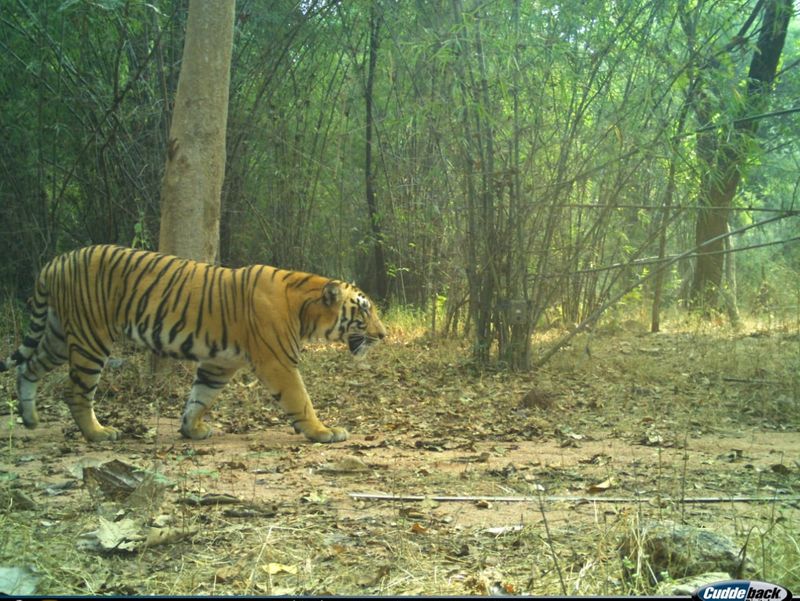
(671, 420)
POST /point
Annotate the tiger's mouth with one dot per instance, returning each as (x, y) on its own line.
(359, 344)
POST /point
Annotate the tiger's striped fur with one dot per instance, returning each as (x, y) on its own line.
(222, 318)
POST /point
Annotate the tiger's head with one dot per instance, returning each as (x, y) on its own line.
(352, 317)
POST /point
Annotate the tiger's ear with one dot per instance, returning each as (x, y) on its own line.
(331, 294)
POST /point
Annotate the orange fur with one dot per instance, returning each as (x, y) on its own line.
(222, 318)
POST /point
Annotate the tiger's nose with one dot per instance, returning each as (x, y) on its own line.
(381, 335)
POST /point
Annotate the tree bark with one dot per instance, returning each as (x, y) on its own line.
(723, 160)
(517, 320)
(195, 168)
(478, 159)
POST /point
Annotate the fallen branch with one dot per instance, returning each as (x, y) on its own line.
(209, 499)
(572, 499)
(750, 381)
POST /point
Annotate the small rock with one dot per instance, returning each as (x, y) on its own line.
(687, 586)
(680, 551)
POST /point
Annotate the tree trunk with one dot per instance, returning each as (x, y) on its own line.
(195, 169)
(723, 160)
(381, 279)
(516, 353)
(729, 288)
(669, 194)
(478, 155)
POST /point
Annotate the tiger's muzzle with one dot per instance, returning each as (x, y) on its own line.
(360, 344)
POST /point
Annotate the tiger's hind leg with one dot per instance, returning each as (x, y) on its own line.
(286, 385)
(48, 354)
(209, 380)
(84, 373)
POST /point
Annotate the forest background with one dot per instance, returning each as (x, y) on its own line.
(500, 166)
(502, 173)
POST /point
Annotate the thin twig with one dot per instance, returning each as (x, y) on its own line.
(651, 207)
(551, 546)
(574, 499)
(750, 381)
(745, 119)
(666, 259)
(595, 315)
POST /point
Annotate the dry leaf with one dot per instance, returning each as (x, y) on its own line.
(130, 535)
(429, 504)
(115, 479)
(602, 486)
(373, 578)
(279, 568)
(17, 581)
(482, 458)
(347, 465)
(500, 530)
(232, 465)
(227, 573)
(411, 513)
(315, 497)
(165, 536)
(124, 535)
(282, 591)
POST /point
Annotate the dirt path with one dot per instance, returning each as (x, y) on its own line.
(652, 426)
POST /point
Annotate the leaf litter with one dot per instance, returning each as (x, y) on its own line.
(257, 510)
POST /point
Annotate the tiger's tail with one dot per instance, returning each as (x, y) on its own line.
(36, 327)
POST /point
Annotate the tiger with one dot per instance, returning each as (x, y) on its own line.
(222, 318)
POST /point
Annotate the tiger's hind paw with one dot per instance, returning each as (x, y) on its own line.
(28, 413)
(199, 432)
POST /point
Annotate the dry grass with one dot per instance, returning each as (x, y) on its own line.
(695, 411)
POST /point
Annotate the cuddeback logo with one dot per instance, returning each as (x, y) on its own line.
(742, 590)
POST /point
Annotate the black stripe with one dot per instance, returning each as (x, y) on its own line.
(187, 346)
(199, 325)
(303, 281)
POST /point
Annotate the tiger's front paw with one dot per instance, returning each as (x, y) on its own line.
(102, 434)
(328, 435)
(198, 432)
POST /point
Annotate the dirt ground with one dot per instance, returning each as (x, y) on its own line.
(552, 470)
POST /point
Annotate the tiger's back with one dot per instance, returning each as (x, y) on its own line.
(223, 318)
(173, 306)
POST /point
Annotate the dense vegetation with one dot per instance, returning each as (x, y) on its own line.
(504, 170)
(485, 161)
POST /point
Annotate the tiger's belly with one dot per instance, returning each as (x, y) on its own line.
(185, 345)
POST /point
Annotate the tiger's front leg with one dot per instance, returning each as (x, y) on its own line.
(286, 385)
